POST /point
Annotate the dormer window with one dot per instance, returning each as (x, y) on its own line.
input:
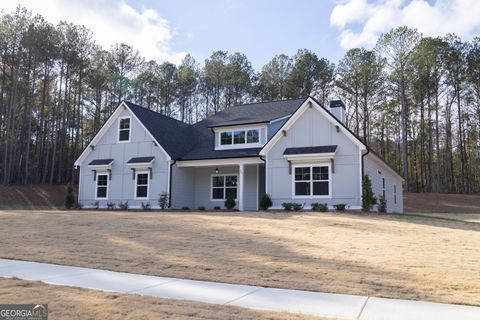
(237, 137)
(124, 129)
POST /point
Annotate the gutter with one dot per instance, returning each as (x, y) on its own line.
(170, 184)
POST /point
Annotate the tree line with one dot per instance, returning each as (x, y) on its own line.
(415, 100)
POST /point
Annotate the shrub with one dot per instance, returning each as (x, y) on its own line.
(322, 207)
(95, 205)
(340, 206)
(287, 206)
(297, 206)
(265, 202)
(185, 208)
(163, 200)
(111, 205)
(368, 198)
(79, 205)
(230, 203)
(146, 206)
(69, 198)
(382, 206)
(201, 208)
(123, 205)
(217, 208)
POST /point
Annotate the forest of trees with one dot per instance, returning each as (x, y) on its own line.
(415, 100)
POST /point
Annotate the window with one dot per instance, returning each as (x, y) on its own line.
(395, 193)
(311, 181)
(102, 186)
(124, 129)
(383, 188)
(240, 137)
(141, 185)
(224, 186)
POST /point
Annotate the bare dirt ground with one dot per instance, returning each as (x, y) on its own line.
(81, 304)
(398, 256)
(442, 203)
(32, 197)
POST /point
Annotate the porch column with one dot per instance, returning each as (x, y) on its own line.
(241, 169)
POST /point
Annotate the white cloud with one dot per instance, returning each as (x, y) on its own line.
(111, 21)
(361, 22)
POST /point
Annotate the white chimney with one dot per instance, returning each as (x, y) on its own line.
(337, 108)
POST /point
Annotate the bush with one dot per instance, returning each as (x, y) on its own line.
(382, 206)
(217, 208)
(340, 206)
(95, 205)
(111, 205)
(146, 206)
(289, 206)
(265, 202)
(368, 198)
(123, 205)
(185, 208)
(163, 200)
(230, 203)
(322, 207)
(69, 198)
(201, 208)
(79, 205)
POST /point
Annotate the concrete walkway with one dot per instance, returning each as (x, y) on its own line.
(306, 302)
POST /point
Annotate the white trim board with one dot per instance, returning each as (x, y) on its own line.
(218, 162)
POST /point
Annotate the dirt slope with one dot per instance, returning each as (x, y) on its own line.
(441, 203)
(32, 197)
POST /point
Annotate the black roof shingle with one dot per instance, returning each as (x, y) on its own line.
(100, 162)
(141, 160)
(310, 150)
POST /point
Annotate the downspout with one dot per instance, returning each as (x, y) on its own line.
(170, 184)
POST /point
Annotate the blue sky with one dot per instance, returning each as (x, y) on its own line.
(260, 29)
(165, 30)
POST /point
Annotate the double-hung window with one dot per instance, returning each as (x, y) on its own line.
(249, 136)
(395, 193)
(124, 125)
(102, 186)
(141, 185)
(224, 186)
(383, 188)
(311, 181)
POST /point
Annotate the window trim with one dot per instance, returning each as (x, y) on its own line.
(106, 173)
(224, 185)
(246, 144)
(129, 130)
(136, 184)
(311, 165)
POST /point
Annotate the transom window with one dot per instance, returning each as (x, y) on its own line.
(224, 186)
(240, 137)
(102, 186)
(124, 129)
(141, 185)
(311, 181)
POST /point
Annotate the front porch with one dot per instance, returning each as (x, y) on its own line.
(207, 183)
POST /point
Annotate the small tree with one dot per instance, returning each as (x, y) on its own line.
(230, 202)
(266, 202)
(69, 198)
(382, 206)
(163, 200)
(368, 198)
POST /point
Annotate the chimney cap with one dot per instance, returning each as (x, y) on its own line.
(337, 104)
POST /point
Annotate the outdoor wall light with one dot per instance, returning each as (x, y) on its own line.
(216, 170)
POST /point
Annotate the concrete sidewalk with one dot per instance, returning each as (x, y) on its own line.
(306, 302)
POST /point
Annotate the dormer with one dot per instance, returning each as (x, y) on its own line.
(240, 136)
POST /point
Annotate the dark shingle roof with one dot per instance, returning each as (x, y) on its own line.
(189, 142)
(141, 160)
(309, 150)
(173, 135)
(100, 162)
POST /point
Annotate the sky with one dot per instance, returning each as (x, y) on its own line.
(165, 30)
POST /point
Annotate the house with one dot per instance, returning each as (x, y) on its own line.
(294, 150)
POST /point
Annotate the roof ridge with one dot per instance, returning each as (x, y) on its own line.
(155, 112)
(269, 101)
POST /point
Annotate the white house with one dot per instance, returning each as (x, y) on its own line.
(294, 150)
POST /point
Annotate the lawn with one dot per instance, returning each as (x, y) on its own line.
(398, 256)
(81, 304)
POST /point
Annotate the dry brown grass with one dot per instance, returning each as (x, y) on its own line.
(442, 203)
(390, 256)
(81, 304)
